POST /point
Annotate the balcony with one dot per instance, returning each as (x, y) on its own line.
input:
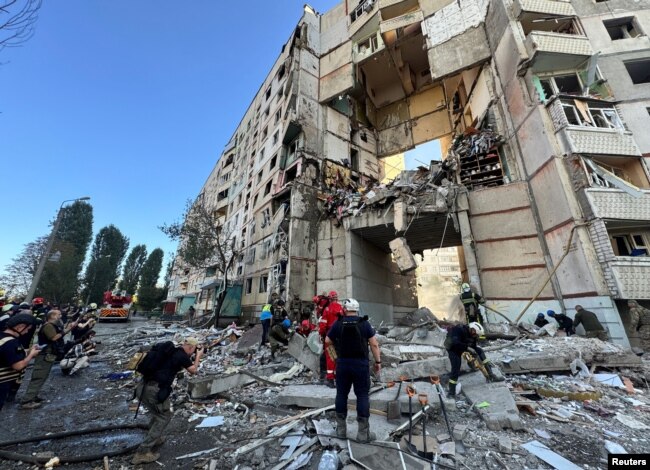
(550, 51)
(616, 204)
(543, 7)
(365, 48)
(591, 126)
(631, 274)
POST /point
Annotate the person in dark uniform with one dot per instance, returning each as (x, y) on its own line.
(541, 321)
(154, 391)
(471, 301)
(463, 338)
(13, 359)
(351, 335)
(564, 322)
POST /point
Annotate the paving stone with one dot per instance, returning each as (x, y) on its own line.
(460, 430)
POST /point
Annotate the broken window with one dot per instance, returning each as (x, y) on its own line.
(571, 114)
(639, 70)
(267, 189)
(622, 28)
(277, 116)
(229, 159)
(615, 172)
(259, 177)
(280, 93)
(364, 5)
(266, 217)
(354, 159)
(250, 255)
(268, 93)
(591, 114)
(263, 284)
(240, 270)
(281, 72)
(248, 285)
(274, 161)
(255, 201)
(276, 137)
(632, 244)
(211, 271)
(222, 195)
(265, 132)
(568, 84)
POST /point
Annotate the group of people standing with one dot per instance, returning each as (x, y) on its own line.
(19, 324)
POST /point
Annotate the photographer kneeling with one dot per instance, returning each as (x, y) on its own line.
(163, 363)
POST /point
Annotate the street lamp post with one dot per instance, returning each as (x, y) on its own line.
(48, 248)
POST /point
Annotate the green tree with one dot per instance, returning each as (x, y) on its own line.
(149, 295)
(132, 269)
(103, 268)
(204, 242)
(61, 277)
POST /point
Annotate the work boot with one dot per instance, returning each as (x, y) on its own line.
(364, 435)
(341, 426)
(452, 389)
(145, 457)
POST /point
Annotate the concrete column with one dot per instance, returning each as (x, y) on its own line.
(468, 243)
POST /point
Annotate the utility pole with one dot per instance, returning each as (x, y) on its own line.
(48, 248)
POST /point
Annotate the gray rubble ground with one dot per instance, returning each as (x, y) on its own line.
(493, 433)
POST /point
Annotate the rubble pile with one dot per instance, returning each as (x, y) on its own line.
(568, 400)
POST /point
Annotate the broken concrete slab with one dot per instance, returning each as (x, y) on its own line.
(547, 455)
(212, 384)
(250, 338)
(501, 330)
(300, 351)
(416, 369)
(318, 396)
(502, 411)
(402, 254)
(460, 431)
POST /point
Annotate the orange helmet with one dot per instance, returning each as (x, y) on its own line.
(333, 294)
(38, 301)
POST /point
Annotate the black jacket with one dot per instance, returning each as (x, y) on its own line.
(459, 339)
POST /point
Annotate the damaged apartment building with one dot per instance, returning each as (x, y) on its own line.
(542, 111)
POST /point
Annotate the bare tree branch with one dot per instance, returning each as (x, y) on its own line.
(17, 21)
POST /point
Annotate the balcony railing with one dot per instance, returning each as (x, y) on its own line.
(551, 51)
(631, 274)
(610, 203)
(591, 127)
(545, 7)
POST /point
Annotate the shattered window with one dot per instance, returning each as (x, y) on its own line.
(569, 84)
(248, 285)
(622, 28)
(571, 114)
(639, 70)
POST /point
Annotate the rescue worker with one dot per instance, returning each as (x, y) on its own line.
(351, 335)
(277, 308)
(154, 393)
(305, 328)
(295, 308)
(589, 321)
(320, 303)
(564, 323)
(644, 329)
(38, 308)
(637, 312)
(13, 359)
(280, 335)
(265, 318)
(463, 338)
(332, 312)
(541, 321)
(471, 301)
(51, 336)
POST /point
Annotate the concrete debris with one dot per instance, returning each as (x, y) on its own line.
(402, 255)
(572, 388)
(614, 448)
(548, 456)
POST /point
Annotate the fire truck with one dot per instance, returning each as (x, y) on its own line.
(114, 307)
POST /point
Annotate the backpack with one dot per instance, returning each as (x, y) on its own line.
(151, 361)
(351, 343)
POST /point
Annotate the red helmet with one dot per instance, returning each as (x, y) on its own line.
(333, 294)
(305, 323)
(38, 301)
(315, 299)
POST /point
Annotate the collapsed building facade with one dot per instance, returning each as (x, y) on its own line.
(541, 108)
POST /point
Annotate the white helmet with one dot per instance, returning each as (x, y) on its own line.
(351, 305)
(477, 327)
(93, 306)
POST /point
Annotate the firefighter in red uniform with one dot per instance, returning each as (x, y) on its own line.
(331, 313)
